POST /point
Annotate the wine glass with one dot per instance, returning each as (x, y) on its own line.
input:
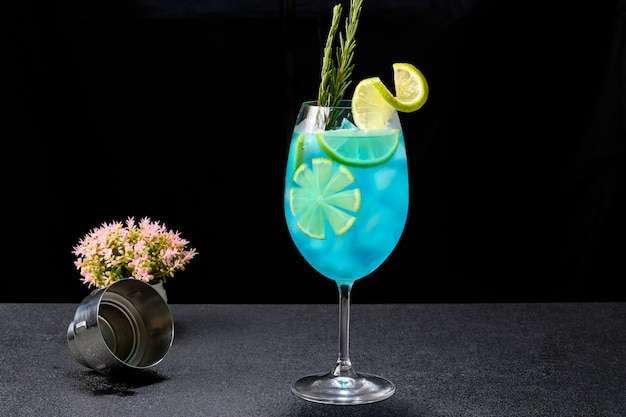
(346, 203)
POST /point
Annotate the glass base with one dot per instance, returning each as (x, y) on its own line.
(343, 390)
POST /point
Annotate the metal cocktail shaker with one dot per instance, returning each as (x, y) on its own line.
(126, 326)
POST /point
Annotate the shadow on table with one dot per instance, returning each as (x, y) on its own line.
(91, 382)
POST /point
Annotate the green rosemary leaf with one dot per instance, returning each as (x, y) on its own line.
(335, 74)
(323, 96)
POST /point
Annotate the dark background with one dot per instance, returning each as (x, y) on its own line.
(181, 111)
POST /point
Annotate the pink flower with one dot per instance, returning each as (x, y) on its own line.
(146, 251)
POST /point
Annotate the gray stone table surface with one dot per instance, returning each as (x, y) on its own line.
(536, 359)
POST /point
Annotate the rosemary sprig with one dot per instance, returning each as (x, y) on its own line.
(335, 75)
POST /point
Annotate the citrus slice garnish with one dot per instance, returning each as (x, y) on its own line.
(410, 86)
(299, 151)
(373, 103)
(359, 148)
(322, 197)
(371, 106)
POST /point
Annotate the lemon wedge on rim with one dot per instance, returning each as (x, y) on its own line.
(373, 103)
(411, 88)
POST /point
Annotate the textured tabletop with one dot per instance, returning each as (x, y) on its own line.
(227, 360)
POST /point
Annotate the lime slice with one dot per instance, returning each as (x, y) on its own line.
(411, 88)
(371, 106)
(322, 197)
(359, 148)
(299, 151)
(373, 103)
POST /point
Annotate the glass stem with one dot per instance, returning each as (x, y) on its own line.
(343, 366)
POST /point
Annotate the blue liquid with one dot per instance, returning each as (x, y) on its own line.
(379, 222)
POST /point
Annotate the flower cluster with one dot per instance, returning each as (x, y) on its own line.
(145, 251)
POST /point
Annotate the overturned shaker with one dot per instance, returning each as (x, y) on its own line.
(126, 326)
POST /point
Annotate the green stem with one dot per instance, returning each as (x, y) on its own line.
(335, 74)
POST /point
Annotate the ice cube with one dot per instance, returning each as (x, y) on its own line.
(384, 177)
(347, 124)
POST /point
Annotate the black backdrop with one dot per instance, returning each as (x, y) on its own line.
(181, 111)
